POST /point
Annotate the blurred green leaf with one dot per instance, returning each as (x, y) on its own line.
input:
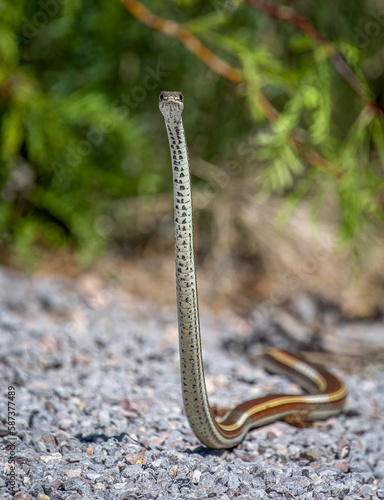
(81, 131)
(11, 133)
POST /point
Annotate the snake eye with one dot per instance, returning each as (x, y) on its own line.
(161, 96)
(181, 97)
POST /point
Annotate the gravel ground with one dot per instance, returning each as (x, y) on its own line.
(99, 412)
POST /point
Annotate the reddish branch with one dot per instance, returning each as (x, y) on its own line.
(224, 69)
(193, 44)
(303, 24)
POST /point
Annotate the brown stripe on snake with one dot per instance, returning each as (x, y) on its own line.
(328, 392)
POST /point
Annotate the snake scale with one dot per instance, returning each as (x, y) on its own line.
(327, 393)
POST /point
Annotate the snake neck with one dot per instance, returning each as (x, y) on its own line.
(191, 363)
(328, 391)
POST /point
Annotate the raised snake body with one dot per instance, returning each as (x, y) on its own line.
(329, 392)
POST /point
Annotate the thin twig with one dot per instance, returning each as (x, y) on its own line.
(224, 69)
(174, 30)
(193, 44)
(288, 15)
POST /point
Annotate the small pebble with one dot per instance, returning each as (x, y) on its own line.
(99, 409)
(196, 476)
(66, 423)
(343, 466)
(172, 473)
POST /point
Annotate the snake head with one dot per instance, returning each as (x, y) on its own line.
(171, 104)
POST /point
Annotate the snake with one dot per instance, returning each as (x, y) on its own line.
(326, 393)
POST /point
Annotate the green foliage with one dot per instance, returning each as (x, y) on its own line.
(80, 129)
(68, 143)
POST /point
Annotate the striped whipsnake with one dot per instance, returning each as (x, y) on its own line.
(327, 392)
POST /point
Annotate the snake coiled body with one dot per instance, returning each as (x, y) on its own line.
(329, 392)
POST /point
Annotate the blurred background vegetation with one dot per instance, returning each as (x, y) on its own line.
(84, 155)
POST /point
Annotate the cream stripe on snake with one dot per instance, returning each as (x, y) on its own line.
(329, 392)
